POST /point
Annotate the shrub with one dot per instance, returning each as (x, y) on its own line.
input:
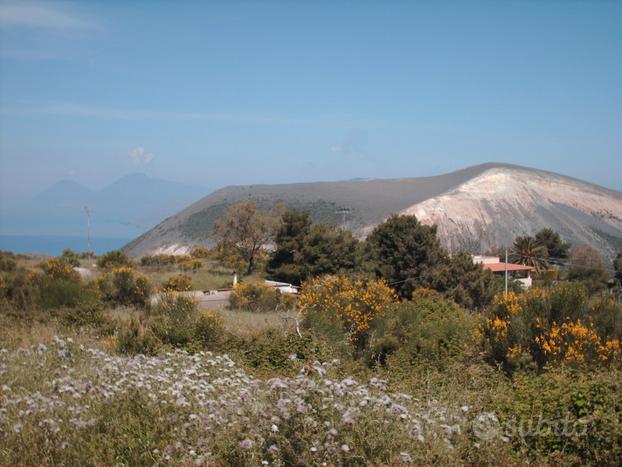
(71, 257)
(114, 259)
(556, 325)
(276, 350)
(124, 286)
(208, 329)
(199, 252)
(89, 316)
(172, 319)
(158, 260)
(58, 268)
(429, 330)
(60, 293)
(565, 414)
(137, 338)
(178, 283)
(20, 290)
(254, 297)
(349, 304)
(8, 261)
(175, 321)
(181, 259)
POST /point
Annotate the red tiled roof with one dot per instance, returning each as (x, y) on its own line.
(500, 267)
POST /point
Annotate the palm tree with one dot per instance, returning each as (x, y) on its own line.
(528, 251)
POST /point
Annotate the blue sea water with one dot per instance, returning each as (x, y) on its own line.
(54, 245)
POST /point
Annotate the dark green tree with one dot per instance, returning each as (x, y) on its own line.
(327, 250)
(284, 263)
(406, 253)
(555, 247)
(466, 282)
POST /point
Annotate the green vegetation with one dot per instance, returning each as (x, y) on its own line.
(123, 286)
(71, 257)
(556, 248)
(244, 231)
(401, 355)
(178, 283)
(530, 252)
(306, 250)
(114, 259)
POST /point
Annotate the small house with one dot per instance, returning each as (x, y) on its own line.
(518, 272)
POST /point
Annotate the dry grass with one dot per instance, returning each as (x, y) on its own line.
(21, 334)
(246, 324)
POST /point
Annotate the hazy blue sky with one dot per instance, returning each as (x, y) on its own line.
(217, 93)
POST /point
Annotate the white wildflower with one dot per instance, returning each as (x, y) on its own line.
(246, 444)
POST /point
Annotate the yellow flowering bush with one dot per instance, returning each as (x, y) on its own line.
(208, 328)
(178, 283)
(556, 325)
(511, 303)
(250, 296)
(57, 268)
(123, 286)
(355, 302)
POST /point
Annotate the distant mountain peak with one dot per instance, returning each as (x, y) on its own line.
(124, 208)
(64, 188)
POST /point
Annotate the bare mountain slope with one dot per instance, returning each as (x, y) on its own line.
(501, 203)
(476, 208)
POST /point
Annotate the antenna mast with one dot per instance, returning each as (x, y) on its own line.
(88, 212)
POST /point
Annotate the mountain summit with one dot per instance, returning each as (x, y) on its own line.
(476, 209)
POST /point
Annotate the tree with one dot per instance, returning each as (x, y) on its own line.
(617, 266)
(555, 247)
(588, 267)
(530, 252)
(405, 253)
(327, 250)
(304, 250)
(284, 263)
(245, 230)
(466, 282)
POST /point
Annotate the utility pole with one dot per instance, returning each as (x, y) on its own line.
(506, 272)
(88, 211)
